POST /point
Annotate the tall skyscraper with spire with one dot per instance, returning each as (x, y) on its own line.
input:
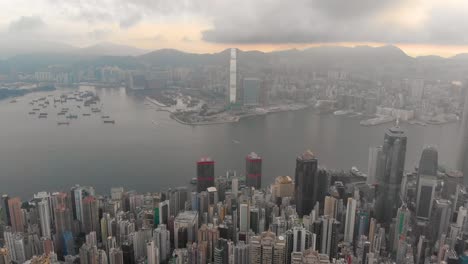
(389, 178)
(306, 183)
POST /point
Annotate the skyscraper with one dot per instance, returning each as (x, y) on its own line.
(205, 174)
(44, 217)
(90, 215)
(390, 177)
(306, 183)
(426, 183)
(152, 252)
(374, 164)
(463, 152)
(6, 210)
(253, 170)
(350, 218)
(162, 238)
(233, 77)
(116, 256)
(16, 216)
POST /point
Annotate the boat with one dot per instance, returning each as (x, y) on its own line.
(104, 116)
(86, 114)
(194, 181)
(61, 113)
(32, 113)
(43, 115)
(342, 112)
(109, 121)
(235, 141)
(70, 116)
(356, 172)
(63, 123)
(95, 110)
(36, 109)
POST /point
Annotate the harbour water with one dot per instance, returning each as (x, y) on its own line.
(146, 150)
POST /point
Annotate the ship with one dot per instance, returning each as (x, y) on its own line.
(70, 116)
(86, 114)
(109, 121)
(104, 116)
(32, 113)
(63, 123)
(43, 115)
(95, 110)
(354, 171)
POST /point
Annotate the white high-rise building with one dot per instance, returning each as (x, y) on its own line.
(350, 218)
(152, 252)
(44, 216)
(244, 223)
(233, 77)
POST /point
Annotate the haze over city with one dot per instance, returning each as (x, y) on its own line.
(234, 132)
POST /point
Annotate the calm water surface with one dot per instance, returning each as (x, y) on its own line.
(147, 151)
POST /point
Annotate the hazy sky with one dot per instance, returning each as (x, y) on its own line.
(418, 26)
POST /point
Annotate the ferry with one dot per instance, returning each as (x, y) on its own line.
(109, 121)
(357, 173)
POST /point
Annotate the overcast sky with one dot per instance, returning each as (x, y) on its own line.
(417, 26)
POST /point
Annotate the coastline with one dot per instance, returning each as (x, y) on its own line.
(233, 119)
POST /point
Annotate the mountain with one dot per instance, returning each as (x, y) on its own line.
(11, 47)
(110, 49)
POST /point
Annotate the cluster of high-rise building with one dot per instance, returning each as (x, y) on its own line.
(317, 216)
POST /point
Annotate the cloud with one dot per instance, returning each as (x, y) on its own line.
(130, 21)
(99, 34)
(326, 21)
(186, 39)
(26, 24)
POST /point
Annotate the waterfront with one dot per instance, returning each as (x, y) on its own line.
(148, 151)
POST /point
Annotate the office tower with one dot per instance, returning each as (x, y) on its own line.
(212, 196)
(350, 218)
(140, 238)
(241, 253)
(128, 255)
(427, 182)
(186, 222)
(253, 171)
(306, 184)
(205, 174)
(329, 230)
(235, 187)
(16, 215)
(440, 218)
(330, 206)
(164, 212)
(117, 193)
(390, 178)
(152, 252)
(44, 216)
(209, 234)
(244, 215)
(162, 238)
(463, 141)
(5, 256)
(402, 223)
(6, 210)
(63, 223)
(374, 164)
(115, 256)
(90, 215)
(233, 77)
